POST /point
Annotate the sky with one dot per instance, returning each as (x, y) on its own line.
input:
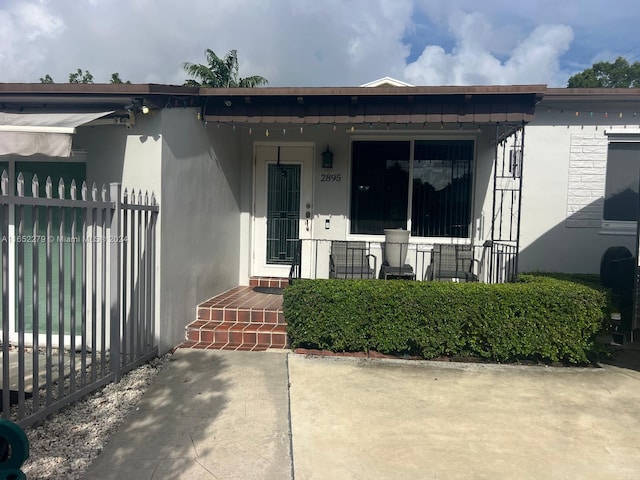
(302, 43)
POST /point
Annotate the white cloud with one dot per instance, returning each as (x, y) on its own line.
(290, 42)
(311, 42)
(24, 28)
(472, 61)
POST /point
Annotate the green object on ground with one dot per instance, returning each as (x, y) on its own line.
(14, 450)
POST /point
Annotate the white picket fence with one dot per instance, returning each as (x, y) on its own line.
(78, 292)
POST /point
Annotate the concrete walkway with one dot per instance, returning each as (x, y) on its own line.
(210, 415)
(231, 415)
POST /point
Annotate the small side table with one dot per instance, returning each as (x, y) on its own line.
(405, 272)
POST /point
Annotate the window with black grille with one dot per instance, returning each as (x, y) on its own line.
(431, 188)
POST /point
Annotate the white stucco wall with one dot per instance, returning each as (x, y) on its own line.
(131, 157)
(195, 174)
(563, 190)
(200, 227)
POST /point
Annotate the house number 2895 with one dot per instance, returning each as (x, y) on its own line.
(330, 177)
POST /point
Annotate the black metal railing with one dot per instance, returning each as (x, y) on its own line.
(502, 262)
(492, 262)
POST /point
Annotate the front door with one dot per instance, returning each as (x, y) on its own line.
(282, 205)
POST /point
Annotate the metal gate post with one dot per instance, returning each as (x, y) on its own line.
(113, 236)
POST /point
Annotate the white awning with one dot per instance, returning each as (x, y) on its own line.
(47, 134)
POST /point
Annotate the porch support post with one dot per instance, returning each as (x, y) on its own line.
(521, 170)
(493, 206)
(4, 246)
(507, 194)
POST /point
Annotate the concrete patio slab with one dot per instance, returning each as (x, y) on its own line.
(362, 419)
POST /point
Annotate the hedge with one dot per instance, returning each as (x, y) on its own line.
(539, 318)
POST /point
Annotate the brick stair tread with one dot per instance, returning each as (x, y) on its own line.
(217, 314)
(213, 325)
(268, 282)
(240, 319)
(232, 335)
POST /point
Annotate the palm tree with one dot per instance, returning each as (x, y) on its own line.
(220, 72)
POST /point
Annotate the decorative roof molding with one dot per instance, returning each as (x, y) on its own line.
(387, 82)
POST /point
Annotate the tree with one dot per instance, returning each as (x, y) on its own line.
(81, 77)
(619, 74)
(115, 79)
(220, 72)
(84, 77)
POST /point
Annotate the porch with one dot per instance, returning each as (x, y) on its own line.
(251, 318)
(445, 165)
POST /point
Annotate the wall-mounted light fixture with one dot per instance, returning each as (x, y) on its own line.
(137, 105)
(327, 158)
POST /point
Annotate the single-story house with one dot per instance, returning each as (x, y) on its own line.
(240, 174)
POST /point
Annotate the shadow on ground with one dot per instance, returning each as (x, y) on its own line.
(624, 356)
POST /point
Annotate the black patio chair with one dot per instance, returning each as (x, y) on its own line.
(452, 263)
(351, 260)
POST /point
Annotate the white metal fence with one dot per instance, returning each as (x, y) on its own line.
(78, 291)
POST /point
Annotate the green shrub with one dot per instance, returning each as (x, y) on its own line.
(540, 318)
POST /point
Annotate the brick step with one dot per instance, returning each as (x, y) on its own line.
(268, 315)
(227, 335)
(276, 282)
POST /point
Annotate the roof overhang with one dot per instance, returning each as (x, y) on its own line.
(38, 118)
(592, 94)
(122, 99)
(591, 98)
(372, 105)
(418, 105)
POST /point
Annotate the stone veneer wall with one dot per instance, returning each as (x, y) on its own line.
(587, 174)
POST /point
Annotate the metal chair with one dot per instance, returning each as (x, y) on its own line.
(351, 260)
(452, 263)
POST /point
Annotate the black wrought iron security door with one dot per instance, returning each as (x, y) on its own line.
(283, 212)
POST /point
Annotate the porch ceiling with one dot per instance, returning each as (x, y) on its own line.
(406, 105)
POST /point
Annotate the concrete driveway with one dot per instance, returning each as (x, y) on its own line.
(377, 419)
(278, 415)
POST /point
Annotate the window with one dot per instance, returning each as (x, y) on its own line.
(439, 172)
(621, 187)
(379, 186)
